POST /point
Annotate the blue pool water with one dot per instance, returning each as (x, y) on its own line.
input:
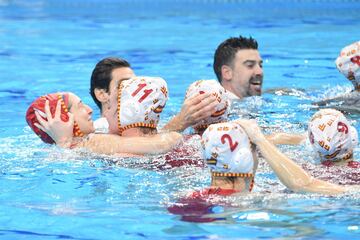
(49, 46)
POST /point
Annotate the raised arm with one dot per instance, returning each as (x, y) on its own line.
(114, 144)
(289, 173)
(193, 110)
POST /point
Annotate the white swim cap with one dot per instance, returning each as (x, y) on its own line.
(331, 135)
(140, 102)
(348, 63)
(227, 150)
(214, 87)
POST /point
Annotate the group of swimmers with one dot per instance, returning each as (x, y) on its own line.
(130, 108)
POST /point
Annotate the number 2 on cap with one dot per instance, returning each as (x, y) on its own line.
(146, 91)
(232, 145)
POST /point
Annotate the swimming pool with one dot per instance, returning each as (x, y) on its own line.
(48, 46)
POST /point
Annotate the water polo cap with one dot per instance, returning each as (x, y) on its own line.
(331, 135)
(213, 87)
(140, 102)
(348, 63)
(227, 150)
(39, 104)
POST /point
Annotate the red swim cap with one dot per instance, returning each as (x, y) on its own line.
(39, 104)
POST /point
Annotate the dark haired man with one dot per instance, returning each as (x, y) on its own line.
(102, 84)
(110, 71)
(238, 67)
(103, 87)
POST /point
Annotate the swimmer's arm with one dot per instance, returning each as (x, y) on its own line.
(286, 138)
(289, 173)
(192, 111)
(292, 175)
(114, 144)
(323, 187)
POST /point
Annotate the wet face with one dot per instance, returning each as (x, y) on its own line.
(82, 114)
(244, 77)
